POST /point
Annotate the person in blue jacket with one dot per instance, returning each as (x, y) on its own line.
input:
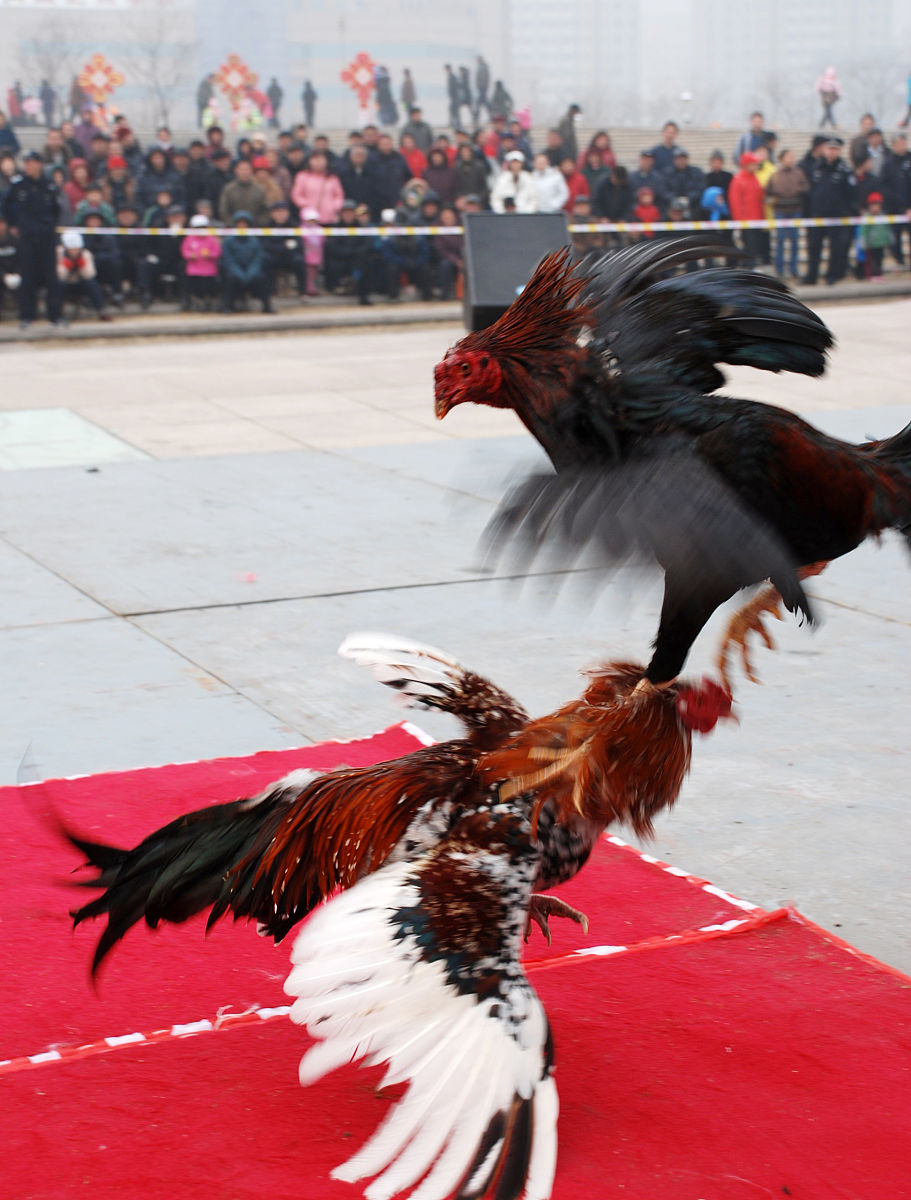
(243, 266)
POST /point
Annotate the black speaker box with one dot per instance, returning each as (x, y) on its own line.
(501, 252)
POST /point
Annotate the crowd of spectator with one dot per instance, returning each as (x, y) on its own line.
(91, 179)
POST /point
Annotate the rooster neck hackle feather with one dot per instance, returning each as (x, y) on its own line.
(543, 319)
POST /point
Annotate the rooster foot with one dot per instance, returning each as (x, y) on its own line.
(745, 621)
(542, 907)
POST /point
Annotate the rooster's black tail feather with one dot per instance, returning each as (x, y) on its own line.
(181, 869)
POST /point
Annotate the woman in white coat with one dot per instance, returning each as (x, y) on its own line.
(514, 189)
(550, 185)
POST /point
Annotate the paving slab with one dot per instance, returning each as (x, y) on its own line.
(56, 437)
(35, 595)
(81, 697)
(232, 530)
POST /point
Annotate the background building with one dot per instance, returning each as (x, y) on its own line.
(708, 62)
(627, 62)
(165, 47)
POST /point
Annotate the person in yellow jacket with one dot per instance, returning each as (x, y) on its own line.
(764, 172)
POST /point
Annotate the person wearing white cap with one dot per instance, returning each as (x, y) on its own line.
(76, 271)
(201, 252)
(514, 190)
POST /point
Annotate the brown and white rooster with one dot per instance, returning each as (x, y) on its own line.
(438, 857)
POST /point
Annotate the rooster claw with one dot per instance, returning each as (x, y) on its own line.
(542, 907)
(745, 621)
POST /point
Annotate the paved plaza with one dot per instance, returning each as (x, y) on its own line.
(190, 527)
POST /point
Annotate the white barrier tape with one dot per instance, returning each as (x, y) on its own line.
(271, 230)
(450, 230)
(765, 223)
(256, 1015)
(696, 880)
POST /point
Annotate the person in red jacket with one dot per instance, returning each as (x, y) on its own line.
(414, 157)
(746, 202)
(575, 182)
(646, 210)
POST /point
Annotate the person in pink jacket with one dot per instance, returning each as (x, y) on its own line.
(313, 248)
(316, 188)
(201, 252)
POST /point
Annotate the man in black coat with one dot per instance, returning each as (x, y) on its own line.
(158, 173)
(276, 94)
(31, 208)
(418, 128)
(648, 176)
(683, 179)
(222, 174)
(895, 179)
(833, 193)
(359, 180)
(465, 96)
(352, 258)
(199, 179)
(814, 153)
(285, 253)
(391, 173)
(454, 92)
(309, 98)
(132, 249)
(481, 87)
(716, 176)
(567, 131)
(204, 94)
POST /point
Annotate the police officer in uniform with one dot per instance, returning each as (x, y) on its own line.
(31, 205)
(833, 193)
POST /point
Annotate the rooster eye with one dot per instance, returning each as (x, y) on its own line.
(466, 368)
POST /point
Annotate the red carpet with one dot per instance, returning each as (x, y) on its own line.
(694, 1063)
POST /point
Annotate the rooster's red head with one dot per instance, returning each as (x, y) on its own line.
(467, 375)
(534, 339)
(701, 706)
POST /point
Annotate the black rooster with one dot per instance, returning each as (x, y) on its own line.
(611, 368)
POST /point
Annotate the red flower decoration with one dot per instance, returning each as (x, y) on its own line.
(235, 79)
(359, 77)
(99, 78)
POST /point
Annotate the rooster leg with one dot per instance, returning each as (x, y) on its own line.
(542, 907)
(749, 619)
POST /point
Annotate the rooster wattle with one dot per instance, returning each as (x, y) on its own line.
(610, 367)
(436, 857)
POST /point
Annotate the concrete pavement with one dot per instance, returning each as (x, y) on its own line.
(189, 528)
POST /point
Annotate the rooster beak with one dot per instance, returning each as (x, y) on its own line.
(441, 406)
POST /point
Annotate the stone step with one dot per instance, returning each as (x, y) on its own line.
(627, 142)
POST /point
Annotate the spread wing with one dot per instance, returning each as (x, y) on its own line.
(670, 509)
(683, 325)
(425, 677)
(418, 966)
